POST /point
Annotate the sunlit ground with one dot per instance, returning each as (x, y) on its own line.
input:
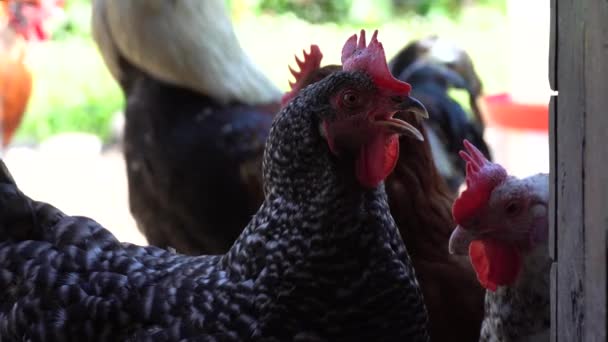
(80, 180)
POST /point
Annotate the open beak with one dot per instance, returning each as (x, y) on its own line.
(408, 105)
(460, 241)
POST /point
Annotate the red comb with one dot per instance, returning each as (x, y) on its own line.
(311, 62)
(358, 56)
(482, 177)
(27, 17)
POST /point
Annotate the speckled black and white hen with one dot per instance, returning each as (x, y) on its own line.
(503, 224)
(321, 260)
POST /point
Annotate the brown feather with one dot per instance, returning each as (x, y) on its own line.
(421, 203)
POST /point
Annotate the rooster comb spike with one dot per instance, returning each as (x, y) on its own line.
(311, 62)
(482, 177)
(357, 55)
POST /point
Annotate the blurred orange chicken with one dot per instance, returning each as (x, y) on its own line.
(20, 21)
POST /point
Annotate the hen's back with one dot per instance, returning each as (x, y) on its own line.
(67, 278)
(194, 165)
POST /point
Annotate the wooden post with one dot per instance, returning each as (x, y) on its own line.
(579, 176)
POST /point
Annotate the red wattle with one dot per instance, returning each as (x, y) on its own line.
(377, 159)
(496, 263)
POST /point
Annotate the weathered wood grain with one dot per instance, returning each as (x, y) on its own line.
(595, 162)
(579, 179)
(553, 212)
(553, 45)
(553, 177)
(569, 135)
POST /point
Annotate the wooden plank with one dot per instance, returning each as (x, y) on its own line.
(552, 177)
(579, 181)
(554, 302)
(553, 45)
(553, 48)
(596, 176)
(570, 125)
(553, 212)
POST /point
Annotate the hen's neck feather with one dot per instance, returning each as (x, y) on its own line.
(420, 200)
(189, 43)
(311, 198)
(521, 312)
(536, 263)
(302, 177)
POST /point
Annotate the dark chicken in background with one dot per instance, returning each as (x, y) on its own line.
(420, 203)
(440, 51)
(321, 260)
(197, 116)
(432, 66)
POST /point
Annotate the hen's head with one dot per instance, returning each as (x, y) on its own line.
(360, 115)
(27, 17)
(500, 219)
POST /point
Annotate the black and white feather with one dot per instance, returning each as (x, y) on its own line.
(521, 313)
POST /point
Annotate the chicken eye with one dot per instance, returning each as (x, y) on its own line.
(350, 99)
(512, 208)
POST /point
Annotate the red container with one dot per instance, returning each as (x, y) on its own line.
(501, 110)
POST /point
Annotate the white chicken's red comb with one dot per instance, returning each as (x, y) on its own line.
(482, 177)
(359, 56)
(311, 62)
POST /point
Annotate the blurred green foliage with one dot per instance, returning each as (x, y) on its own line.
(315, 11)
(73, 90)
(76, 23)
(371, 11)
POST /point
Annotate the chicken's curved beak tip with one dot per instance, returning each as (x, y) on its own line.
(413, 106)
(460, 241)
(398, 121)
